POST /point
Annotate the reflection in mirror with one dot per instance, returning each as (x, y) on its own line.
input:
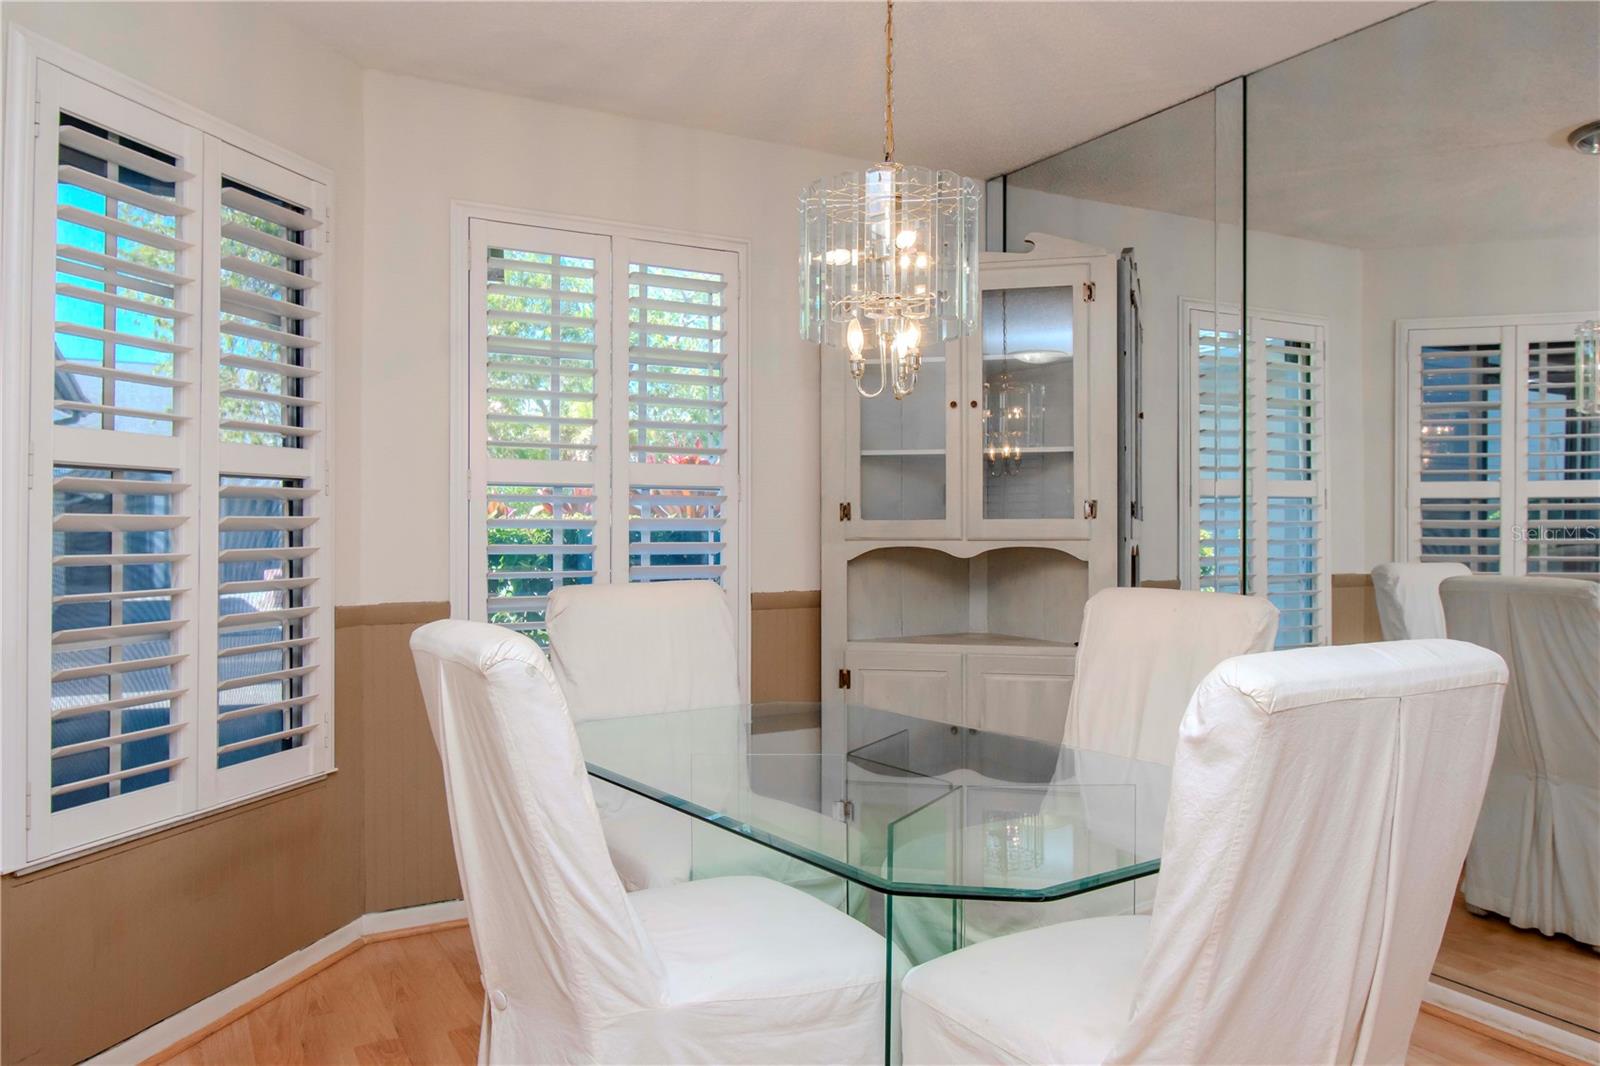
(1166, 192)
(1423, 250)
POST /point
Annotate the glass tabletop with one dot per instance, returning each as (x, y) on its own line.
(899, 805)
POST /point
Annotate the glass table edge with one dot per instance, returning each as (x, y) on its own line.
(855, 875)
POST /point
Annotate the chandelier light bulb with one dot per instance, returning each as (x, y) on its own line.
(855, 339)
(906, 238)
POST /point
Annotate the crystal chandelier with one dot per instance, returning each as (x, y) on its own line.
(888, 258)
(1586, 370)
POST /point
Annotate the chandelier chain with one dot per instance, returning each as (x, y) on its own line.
(888, 83)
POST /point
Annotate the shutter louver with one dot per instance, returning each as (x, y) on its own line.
(124, 293)
(266, 328)
(1220, 563)
(1562, 445)
(117, 662)
(1563, 536)
(1460, 531)
(675, 534)
(540, 537)
(1461, 408)
(677, 399)
(540, 355)
(266, 595)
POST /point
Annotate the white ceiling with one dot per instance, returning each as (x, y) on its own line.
(1446, 125)
(980, 87)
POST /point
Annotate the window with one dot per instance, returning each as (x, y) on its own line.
(1255, 482)
(602, 400)
(1500, 470)
(178, 619)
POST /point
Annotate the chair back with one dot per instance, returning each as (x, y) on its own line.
(1322, 801)
(554, 931)
(1408, 598)
(628, 649)
(1141, 655)
(1536, 856)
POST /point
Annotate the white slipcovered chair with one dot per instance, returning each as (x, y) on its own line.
(1141, 655)
(1535, 857)
(575, 968)
(1408, 598)
(628, 649)
(1323, 799)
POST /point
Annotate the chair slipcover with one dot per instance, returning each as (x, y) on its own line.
(1322, 802)
(1408, 598)
(1141, 656)
(630, 649)
(1536, 855)
(575, 969)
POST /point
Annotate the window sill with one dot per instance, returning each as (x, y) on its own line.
(104, 849)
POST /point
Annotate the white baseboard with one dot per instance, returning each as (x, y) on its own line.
(169, 1031)
(1533, 1030)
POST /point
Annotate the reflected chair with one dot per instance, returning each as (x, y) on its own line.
(1322, 802)
(1142, 654)
(1408, 598)
(574, 967)
(629, 649)
(1535, 857)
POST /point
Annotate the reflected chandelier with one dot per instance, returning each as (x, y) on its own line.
(888, 258)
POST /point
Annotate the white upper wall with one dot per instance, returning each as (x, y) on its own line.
(307, 99)
(428, 144)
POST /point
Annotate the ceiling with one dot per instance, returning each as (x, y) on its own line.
(1447, 125)
(980, 87)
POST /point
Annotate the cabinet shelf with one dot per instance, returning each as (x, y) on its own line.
(897, 453)
(1042, 449)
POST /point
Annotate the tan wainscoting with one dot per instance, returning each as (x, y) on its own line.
(785, 646)
(1355, 610)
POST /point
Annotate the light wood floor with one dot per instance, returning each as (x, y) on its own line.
(416, 999)
(1550, 974)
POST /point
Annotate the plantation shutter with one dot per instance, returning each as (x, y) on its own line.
(1215, 556)
(1455, 447)
(1257, 491)
(1560, 506)
(182, 656)
(680, 426)
(539, 376)
(274, 631)
(114, 509)
(1287, 495)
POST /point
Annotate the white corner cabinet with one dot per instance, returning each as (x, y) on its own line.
(964, 526)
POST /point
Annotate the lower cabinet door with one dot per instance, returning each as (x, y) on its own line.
(921, 684)
(1023, 695)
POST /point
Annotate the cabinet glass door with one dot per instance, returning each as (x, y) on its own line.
(904, 477)
(1030, 409)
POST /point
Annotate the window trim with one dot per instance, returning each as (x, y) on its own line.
(1401, 520)
(462, 214)
(26, 52)
(1189, 485)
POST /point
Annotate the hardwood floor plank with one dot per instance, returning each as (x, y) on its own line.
(1554, 975)
(416, 1001)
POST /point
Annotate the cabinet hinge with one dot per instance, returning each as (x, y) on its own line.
(844, 810)
(38, 121)
(844, 512)
(27, 806)
(844, 679)
(1088, 292)
(1091, 508)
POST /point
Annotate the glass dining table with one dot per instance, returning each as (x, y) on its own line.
(936, 836)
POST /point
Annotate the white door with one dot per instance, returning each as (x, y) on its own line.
(1023, 695)
(920, 684)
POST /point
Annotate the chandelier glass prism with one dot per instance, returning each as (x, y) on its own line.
(888, 259)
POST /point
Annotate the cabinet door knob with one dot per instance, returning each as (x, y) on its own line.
(974, 404)
(952, 405)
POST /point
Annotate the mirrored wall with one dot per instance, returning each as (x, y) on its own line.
(1361, 274)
